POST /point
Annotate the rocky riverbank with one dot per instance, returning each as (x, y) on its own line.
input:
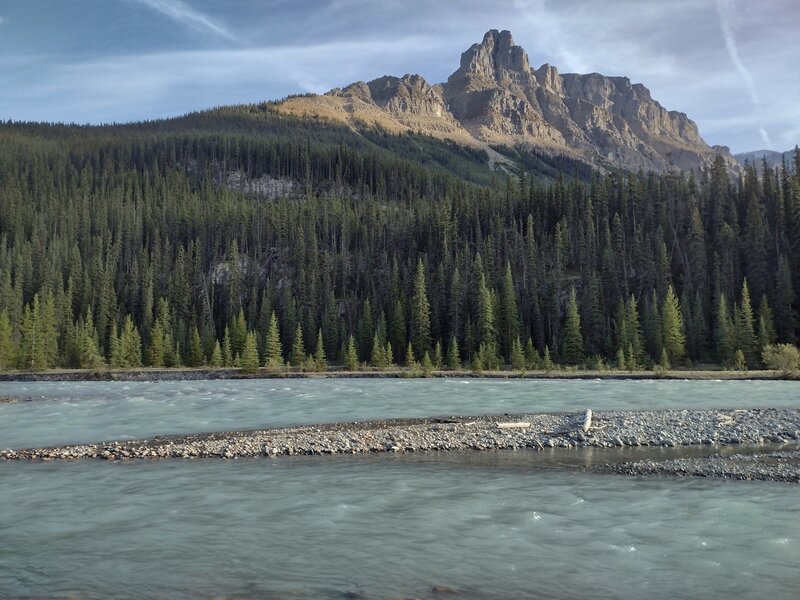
(771, 466)
(398, 373)
(672, 428)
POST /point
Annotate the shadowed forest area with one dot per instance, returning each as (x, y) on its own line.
(236, 237)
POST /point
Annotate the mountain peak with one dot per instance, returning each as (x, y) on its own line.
(496, 51)
(496, 98)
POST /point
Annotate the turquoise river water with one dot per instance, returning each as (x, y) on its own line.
(491, 525)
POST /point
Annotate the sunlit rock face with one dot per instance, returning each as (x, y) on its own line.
(496, 97)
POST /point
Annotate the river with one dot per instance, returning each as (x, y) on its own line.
(490, 525)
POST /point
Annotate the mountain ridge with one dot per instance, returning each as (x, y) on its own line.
(496, 97)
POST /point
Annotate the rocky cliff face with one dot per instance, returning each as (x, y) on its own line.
(496, 97)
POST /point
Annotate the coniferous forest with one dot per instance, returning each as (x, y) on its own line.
(239, 238)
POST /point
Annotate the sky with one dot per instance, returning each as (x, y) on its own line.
(731, 65)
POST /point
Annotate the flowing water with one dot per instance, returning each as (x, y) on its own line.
(491, 525)
(94, 411)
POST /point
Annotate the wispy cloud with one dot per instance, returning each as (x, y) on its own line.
(182, 13)
(725, 9)
(2, 20)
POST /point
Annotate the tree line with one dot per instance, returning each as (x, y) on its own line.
(130, 246)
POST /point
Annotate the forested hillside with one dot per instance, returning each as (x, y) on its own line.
(239, 237)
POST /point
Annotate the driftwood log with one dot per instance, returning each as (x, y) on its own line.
(521, 425)
(587, 420)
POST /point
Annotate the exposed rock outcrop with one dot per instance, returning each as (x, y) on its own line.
(496, 97)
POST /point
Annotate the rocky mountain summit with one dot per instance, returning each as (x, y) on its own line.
(495, 97)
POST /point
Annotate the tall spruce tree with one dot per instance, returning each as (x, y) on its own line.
(572, 350)
(420, 314)
(672, 328)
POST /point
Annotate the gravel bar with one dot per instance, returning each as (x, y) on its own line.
(771, 466)
(670, 428)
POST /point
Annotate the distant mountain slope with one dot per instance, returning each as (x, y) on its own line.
(495, 97)
(774, 159)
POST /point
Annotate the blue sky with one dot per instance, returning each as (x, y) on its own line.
(731, 65)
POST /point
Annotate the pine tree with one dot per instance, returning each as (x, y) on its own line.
(298, 355)
(745, 329)
(572, 350)
(453, 360)
(547, 360)
(672, 330)
(155, 354)
(49, 332)
(420, 314)
(517, 355)
(89, 353)
(438, 356)
(388, 355)
(130, 345)
(31, 355)
(351, 355)
(766, 326)
(228, 359)
(377, 355)
(216, 360)
(238, 333)
(249, 360)
(410, 360)
(427, 364)
(272, 347)
(532, 358)
(115, 348)
(509, 313)
(6, 342)
(724, 333)
(398, 328)
(196, 355)
(320, 360)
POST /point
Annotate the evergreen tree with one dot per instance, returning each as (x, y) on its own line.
(398, 328)
(532, 358)
(672, 327)
(6, 342)
(410, 360)
(273, 347)
(427, 364)
(572, 351)
(547, 360)
(228, 359)
(745, 330)
(509, 314)
(724, 333)
(130, 345)
(453, 358)
(31, 351)
(438, 356)
(89, 352)
(196, 355)
(420, 314)
(298, 355)
(518, 361)
(377, 355)
(238, 333)
(249, 360)
(351, 355)
(766, 326)
(216, 360)
(320, 360)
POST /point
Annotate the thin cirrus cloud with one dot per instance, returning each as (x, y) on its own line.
(185, 15)
(173, 83)
(139, 59)
(725, 9)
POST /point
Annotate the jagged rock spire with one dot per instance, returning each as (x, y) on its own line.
(496, 51)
